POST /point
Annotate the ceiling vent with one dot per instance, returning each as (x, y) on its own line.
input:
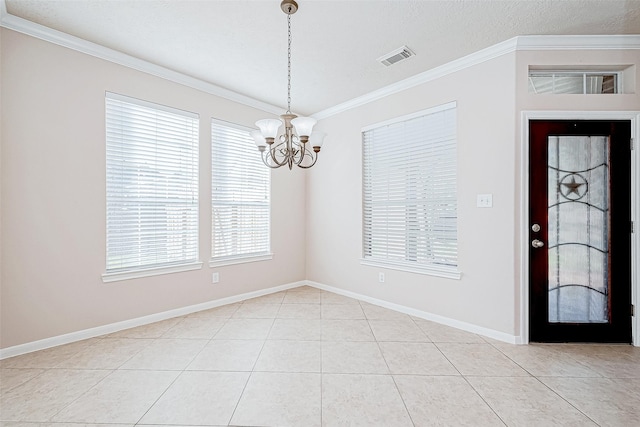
(396, 56)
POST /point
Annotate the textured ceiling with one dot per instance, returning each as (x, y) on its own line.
(241, 45)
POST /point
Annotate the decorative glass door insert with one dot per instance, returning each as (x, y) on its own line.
(578, 218)
(579, 235)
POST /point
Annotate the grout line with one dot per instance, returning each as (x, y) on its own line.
(470, 385)
(322, 374)
(422, 330)
(390, 373)
(531, 375)
(561, 397)
(484, 400)
(148, 341)
(159, 397)
(235, 408)
(85, 392)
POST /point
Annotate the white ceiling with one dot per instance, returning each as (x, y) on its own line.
(241, 45)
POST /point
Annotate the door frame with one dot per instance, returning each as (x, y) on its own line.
(523, 235)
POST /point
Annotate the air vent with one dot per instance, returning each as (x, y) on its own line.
(396, 56)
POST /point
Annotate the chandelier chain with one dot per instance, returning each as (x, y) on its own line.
(296, 145)
(289, 65)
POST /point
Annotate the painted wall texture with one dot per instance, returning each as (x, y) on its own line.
(53, 198)
(485, 97)
(490, 99)
(52, 207)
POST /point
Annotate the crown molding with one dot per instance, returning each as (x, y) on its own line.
(577, 42)
(520, 43)
(27, 27)
(475, 58)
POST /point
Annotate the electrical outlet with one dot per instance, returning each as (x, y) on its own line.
(381, 277)
(215, 277)
(484, 201)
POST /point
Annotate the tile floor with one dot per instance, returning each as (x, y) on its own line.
(306, 357)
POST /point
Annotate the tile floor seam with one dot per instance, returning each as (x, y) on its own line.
(202, 349)
(135, 353)
(513, 360)
(264, 342)
(445, 356)
(159, 397)
(406, 408)
(485, 401)
(235, 408)
(44, 370)
(566, 400)
(423, 331)
(321, 368)
(404, 403)
(604, 363)
(470, 385)
(82, 394)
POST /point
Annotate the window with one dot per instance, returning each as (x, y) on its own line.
(152, 188)
(409, 203)
(240, 206)
(573, 82)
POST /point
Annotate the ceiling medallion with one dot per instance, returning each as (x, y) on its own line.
(297, 145)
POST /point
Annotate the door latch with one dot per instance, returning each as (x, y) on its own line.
(537, 243)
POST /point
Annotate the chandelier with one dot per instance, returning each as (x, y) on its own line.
(297, 145)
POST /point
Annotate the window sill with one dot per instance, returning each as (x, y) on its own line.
(446, 272)
(219, 262)
(135, 274)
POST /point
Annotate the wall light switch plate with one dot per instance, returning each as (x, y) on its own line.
(215, 277)
(485, 201)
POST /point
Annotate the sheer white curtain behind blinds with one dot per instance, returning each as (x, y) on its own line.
(410, 203)
(152, 185)
(240, 195)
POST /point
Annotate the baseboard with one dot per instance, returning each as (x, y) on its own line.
(144, 320)
(139, 321)
(469, 327)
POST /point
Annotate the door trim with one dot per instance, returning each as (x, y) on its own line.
(523, 221)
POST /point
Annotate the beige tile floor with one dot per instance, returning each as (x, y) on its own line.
(306, 357)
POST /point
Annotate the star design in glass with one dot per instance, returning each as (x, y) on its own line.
(571, 189)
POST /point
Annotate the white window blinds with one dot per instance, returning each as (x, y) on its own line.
(152, 185)
(409, 203)
(240, 194)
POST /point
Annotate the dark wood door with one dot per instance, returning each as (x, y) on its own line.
(580, 231)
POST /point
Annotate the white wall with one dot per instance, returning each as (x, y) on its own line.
(52, 212)
(490, 98)
(485, 296)
(53, 198)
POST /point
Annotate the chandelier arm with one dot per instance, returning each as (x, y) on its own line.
(264, 157)
(272, 154)
(312, 156)
(303, 153)
(315, 159)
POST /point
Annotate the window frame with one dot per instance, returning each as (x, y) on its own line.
(432, 269)
(192, 235)
(250, 153)
(553, 73)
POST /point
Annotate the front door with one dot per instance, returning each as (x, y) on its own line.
(580, 231)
